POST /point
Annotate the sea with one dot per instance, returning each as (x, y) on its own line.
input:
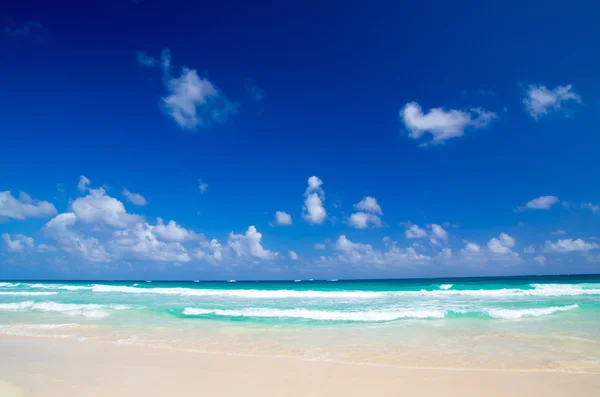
(533, 323)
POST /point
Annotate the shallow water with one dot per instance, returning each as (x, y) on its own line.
(538, 323)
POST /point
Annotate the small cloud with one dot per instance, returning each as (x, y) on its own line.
(559, 232)
(134, 198)
(369, 214)
(145, 59)
(540, 259)
(202, 186)
(83, 183)
(470, 248)
(502, 244)
(529, 250)
(369, 204)
(595, 208)
(442, 124)
(191, 101)
(414, 231)
(569, 245)
(24, 207)
(539, 203)
(282, 219)
(540, 101)
(30, 30)
(320, 246)
(313, 210)
(293, 255)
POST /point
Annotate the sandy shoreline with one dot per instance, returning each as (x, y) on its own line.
(53, 367)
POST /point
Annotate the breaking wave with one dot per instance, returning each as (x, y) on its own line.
(511, 314)
(541, 290)
(83, 310)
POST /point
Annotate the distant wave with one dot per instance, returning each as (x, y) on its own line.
(4, 285)
(26, 293)
(242, 293)
(60, 286)
(445, 286)
(368, 316)
(518, 313)
(540, 290)
(84, 310)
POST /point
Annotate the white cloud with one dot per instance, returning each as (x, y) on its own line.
(502, 244)
(24, 207)
(83, 183)
(592, 207)
(313, 210)
(193, 101)
(559, 232)
(540, 259)
(293, 255)
(203, 186)
(134, 198)
(18, 243)
(140, 242)
(99, 208)
(145, 59)
(438, 232)
(89, 248)
(172, 231)
(471, 248)
(569, 245)
(369, 204)
(442, 124)
(361, 220)
(540, 101)
(282, 218)
(320, 246)
(540, 203)
(215, 251)
(365, 254)
(249, 245)
(529, 250)
(414, 231)
(368, 214)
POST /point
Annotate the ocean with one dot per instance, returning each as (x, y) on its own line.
(533, 323)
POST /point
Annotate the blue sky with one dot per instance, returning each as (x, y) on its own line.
(394, 139)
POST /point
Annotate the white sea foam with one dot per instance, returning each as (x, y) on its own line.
(8, 285)
(445, 286)
(241, 293)
(564, 290)
(46, 330)
(84, 310)
(26, 293)
(60, 286)
(368, 316)
(512, 314)
(541, 290)
(16, 305)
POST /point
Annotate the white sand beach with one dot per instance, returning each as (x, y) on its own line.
(54, 367)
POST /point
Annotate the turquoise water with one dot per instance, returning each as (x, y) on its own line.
(311, 302)
(521, 322)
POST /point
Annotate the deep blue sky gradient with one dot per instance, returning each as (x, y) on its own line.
(335, 75)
